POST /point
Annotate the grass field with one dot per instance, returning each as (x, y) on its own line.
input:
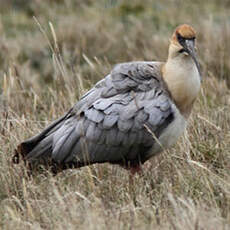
(51, 52)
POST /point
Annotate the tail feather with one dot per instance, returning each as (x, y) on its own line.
(62, 147)
(40, 144)
(44, 147)
(65, 141)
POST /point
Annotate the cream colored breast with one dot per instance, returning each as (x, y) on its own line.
(183, 80)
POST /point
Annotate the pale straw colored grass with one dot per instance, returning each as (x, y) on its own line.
(47, 63)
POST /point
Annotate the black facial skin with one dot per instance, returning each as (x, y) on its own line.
(188, 45)
(182, 50)
(182, 42)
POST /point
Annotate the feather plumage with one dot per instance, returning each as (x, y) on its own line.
(115, 121)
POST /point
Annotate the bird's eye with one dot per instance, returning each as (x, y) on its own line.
(180, 38)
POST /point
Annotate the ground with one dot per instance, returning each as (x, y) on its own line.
(51, 52)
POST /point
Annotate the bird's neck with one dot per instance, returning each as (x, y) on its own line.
(183, 81)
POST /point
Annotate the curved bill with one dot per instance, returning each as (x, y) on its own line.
(190, 47)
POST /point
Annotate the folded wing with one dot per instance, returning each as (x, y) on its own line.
(113, 122)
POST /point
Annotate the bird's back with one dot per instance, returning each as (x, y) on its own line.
(116, 121)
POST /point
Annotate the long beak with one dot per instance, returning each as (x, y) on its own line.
(190, 47)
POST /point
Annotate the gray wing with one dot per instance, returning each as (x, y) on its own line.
(108, 123)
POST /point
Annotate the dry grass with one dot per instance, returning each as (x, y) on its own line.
(187, 187)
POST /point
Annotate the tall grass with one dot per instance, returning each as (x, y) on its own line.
(48, 62)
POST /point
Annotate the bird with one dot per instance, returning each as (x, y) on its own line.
(135, 112)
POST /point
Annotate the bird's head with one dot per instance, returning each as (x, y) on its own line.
(182, 44)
